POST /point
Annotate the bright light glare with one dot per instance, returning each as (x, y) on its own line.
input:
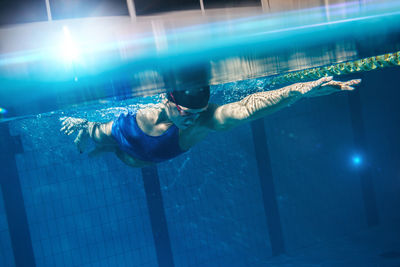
(70, 51)
(357, 160)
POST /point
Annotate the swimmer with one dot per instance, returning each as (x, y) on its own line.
(184, 118)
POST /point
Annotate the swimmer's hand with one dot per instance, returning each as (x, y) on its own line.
(71, 125)
(325, 86)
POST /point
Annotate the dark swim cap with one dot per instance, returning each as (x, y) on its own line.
(191, 98)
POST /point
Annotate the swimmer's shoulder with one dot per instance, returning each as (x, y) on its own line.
(148, 114)
(206, 117)
(147, 118)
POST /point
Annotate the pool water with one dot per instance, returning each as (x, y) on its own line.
(216, 206)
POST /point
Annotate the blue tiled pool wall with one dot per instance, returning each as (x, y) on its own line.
(214, 205)
(311, 148)
(382, 119)
(6, 253)
(93, 212)
(318, 190)
(81, 211)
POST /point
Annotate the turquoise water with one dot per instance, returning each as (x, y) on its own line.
(316, 184)
(69, 62)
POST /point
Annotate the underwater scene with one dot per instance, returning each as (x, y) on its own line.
(230, 137)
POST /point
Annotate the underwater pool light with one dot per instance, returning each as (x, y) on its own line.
(357, 160)
(2, 111)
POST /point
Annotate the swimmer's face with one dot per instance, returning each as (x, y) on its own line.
(183, 117)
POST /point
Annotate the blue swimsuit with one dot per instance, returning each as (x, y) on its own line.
(132, 140)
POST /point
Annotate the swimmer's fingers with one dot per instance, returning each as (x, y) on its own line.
(321, 81)
(64, 129)
(70, 125)
(66, 123)
(341, 86)
(349, 85)
(68, 129)
(65, 126)
(69, 132)
(65, 120)
(71, 128)
(331, 87)
(353, 82)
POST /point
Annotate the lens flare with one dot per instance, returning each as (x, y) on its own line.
(70, 51)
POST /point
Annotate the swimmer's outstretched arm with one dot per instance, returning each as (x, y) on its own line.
(261, 104)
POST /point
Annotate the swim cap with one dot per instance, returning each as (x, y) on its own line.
(191, 98)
